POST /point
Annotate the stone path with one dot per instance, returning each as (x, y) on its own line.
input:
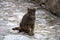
(11, 15)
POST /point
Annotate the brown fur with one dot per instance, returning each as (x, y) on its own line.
(27, 23)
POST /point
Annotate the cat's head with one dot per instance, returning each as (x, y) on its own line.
(31, 11)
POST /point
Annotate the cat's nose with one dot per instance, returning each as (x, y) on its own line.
(32, 16)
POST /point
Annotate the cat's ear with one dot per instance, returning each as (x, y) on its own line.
(31, 9)
(34, 10)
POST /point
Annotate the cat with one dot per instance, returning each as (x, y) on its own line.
(27, 23)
